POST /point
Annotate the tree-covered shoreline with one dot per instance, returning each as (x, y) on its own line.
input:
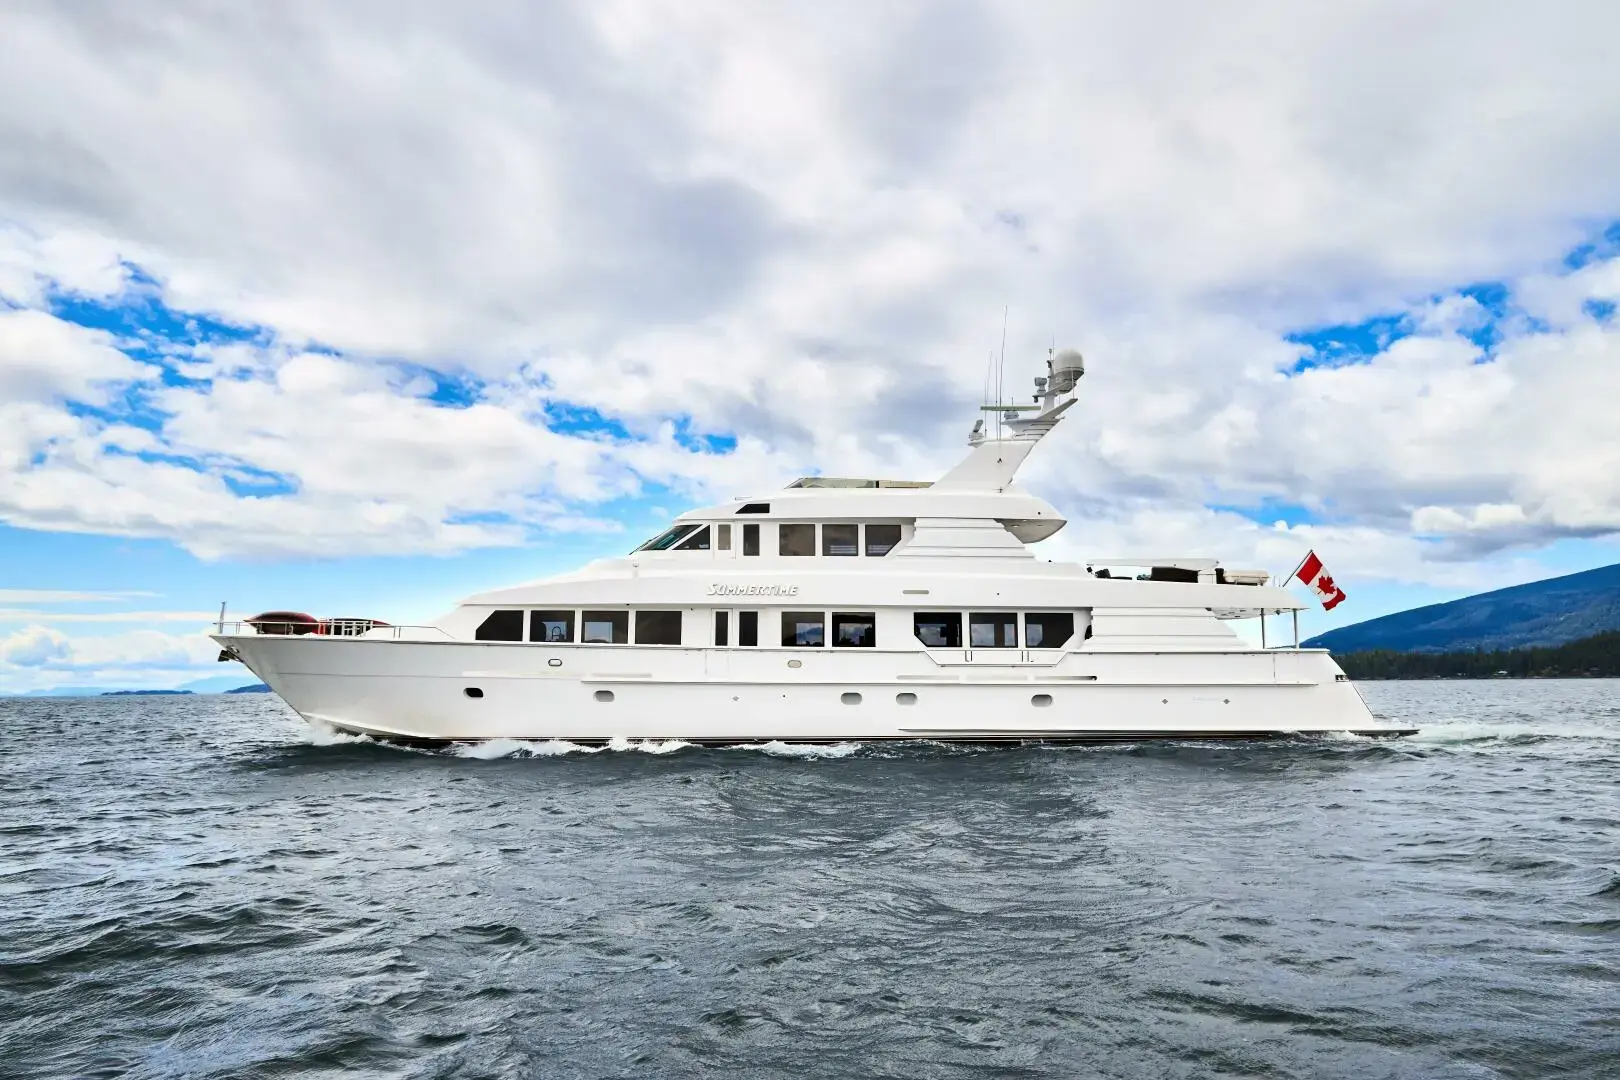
(1597, 656)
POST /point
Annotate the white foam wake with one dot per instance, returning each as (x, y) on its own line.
(323, 734)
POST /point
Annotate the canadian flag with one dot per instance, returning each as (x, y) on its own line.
(1315, 575)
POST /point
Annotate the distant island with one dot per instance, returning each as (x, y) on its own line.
(1537, 615)
(254, 688)
(1597, 656)
(141, 693)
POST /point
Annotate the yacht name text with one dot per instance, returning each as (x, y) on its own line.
(719, 589)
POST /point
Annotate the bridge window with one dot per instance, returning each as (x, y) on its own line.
(606, 627)
(722, 537)
(748, 628)
(993, 630)
(938, 629)
(658, 628)
(501, 626)
(754, 508)
(801, 628)
(840, 539)
(751, 539)
(664, 540)
(698, 541)
(881, 539)
(854, 629)
(795, 539)
(1048, 629)
(551, 626)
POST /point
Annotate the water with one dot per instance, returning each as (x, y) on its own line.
(193, 887)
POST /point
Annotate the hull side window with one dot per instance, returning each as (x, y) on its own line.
(1048, 629)
(803, 628)
(658, 628)
(993, 630)
(722, 627)
(795, 539)
(881, 539)
(606, 627)
(938, 629)
(551, 626)
(854, 629)
(748, 628)
(500, 626)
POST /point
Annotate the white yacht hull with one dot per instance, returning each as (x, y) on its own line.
(418, 691)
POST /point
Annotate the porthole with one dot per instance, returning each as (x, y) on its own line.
(850, 697)
(1041, 701)
(604, 695)
(907, 698)
(795, 663)
(555, 661)
(473, 691)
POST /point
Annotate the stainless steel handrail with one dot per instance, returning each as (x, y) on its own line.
(326, 628)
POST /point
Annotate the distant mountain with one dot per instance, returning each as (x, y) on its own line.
(255, 688)
(140, 693)
(216, 684)
(1540, 613)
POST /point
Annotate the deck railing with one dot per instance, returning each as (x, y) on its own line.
(327, 628)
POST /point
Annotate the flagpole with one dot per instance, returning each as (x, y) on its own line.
(1302, 562)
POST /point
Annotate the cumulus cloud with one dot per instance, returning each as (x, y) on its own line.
(38, 657)
(797, 228)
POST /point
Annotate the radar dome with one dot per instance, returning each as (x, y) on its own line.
(1067, 368)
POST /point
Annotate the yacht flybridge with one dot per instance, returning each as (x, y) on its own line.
(833, 610)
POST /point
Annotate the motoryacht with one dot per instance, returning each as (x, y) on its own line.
(836, 609)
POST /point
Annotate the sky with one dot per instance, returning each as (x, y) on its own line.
(357, 308)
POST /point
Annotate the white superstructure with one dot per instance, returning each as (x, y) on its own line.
(832, 610)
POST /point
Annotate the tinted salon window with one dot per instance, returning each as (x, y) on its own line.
(801, 628)
(881, 539)
(606, 627)
(939, 629)
(658, 628)
(993, 630)
(854, 629)
(553, 626)
(796, 539)
(501, 626)
(1048, 629)
(840, 539)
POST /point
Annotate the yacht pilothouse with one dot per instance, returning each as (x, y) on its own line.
(833, 610)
